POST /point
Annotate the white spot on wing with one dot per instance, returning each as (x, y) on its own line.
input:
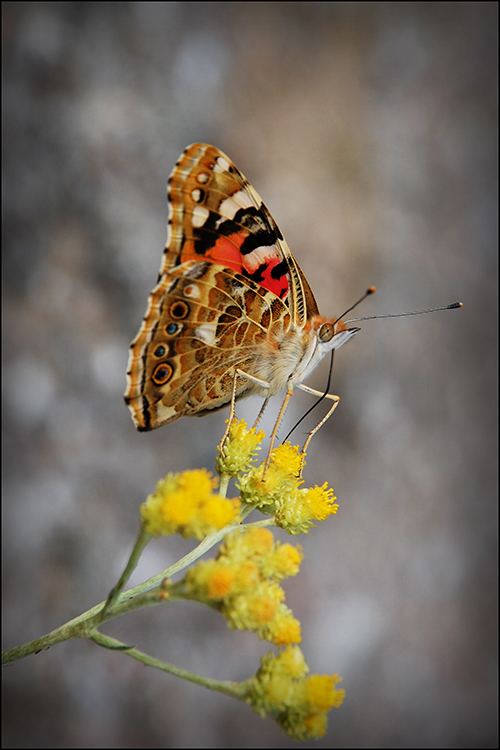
(230, 206)
(164, 413)
(200, 215)
(260, 255)
(192, 291)
(221, 165)
(206, 333)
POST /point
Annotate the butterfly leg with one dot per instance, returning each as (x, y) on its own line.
(263, 384)
(261, 412)
(253, 379)
(327, 416)
(284, 405)
(231, 411)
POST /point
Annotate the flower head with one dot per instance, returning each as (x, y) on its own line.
(185, 504)
(282, 478)
(239, 448)
(297, 513)
(243, 584)
(297, 701)
(295, 508)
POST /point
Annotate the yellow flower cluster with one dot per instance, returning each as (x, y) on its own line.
(299, 703)
(185, 504)
(242, 583)
(239, 448)
(295, 508)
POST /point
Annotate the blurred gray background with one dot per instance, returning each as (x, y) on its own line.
(370, 130)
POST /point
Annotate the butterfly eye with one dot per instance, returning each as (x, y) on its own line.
(326, 332)
(163, 373)
(160, 350)
(179, 310)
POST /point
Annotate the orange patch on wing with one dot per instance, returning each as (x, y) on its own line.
(279, 286)
(225, 252)
(187, 252)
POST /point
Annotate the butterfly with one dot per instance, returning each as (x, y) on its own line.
(232, 313)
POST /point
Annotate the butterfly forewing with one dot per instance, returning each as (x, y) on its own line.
(215, 214)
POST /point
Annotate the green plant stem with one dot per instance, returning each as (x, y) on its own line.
(127, 601)
(143, 538)
(75, 628)
(237, 690)
(224, 484)
(194, 555)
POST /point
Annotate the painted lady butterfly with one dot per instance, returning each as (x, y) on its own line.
(232, 313)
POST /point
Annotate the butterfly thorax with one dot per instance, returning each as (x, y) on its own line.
(290, 356)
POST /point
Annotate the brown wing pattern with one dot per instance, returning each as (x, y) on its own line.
(202, 322)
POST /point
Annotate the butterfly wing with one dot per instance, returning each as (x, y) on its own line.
(215, 214)
(228, 280)
(203, 321)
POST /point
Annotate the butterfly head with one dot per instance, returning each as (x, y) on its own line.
(331, 334)
(323, 336)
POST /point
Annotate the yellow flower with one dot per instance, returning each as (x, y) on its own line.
(314, 726)
(297, 513)
(257, 610)
(299, 703)
(295, 509)
(247, 576)
(320, 501)
(243, 583)
(255, 543)
(217, 514)
(290, 662)
(184, 504)
(320, 692)
(262, 608)
(282, 479)
(279, 692)
(287, 459)
(285, 630)
(275, 560)
(220, 581)
(284, 561)
(239, 449)
(210, 581)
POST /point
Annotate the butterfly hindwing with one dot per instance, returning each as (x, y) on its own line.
(202, 322)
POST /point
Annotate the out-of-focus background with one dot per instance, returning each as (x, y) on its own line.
(370, 130)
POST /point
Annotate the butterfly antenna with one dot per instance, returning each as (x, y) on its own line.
(454, 306)
(370, 290)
